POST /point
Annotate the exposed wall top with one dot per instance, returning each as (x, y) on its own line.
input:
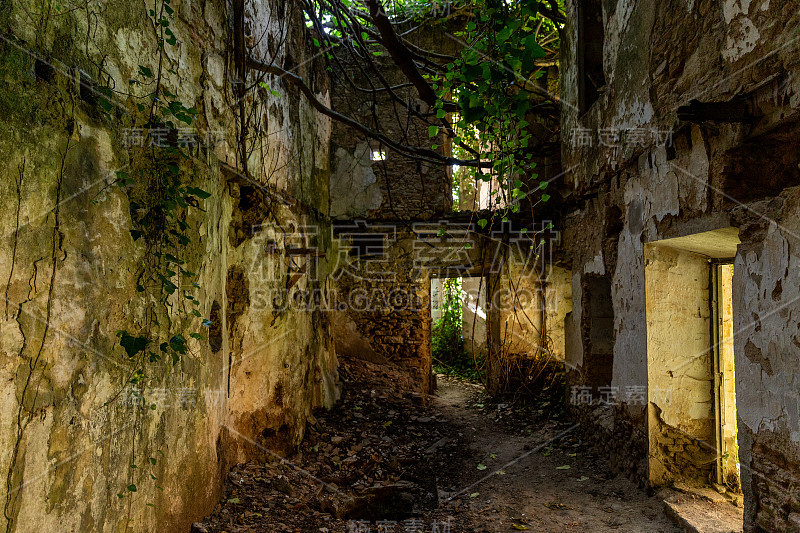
(658, 56)
(716, 244)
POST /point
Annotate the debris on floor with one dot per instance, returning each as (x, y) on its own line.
(384, 461)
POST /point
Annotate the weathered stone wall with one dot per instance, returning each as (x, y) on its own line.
(369, 180)
(383, 311)
(637, 173)
(385, 319)
(766, 351)
(620, 437)
(69, 426)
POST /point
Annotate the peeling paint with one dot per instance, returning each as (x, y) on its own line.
(742, 38)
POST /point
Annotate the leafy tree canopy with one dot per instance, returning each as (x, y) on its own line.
(491, 89)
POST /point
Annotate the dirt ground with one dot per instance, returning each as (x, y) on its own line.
(383, 461)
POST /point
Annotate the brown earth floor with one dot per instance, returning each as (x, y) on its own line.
(382, 461)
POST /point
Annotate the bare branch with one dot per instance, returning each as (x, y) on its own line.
(424, 154)
(402, 55)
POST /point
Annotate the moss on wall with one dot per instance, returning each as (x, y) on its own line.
(71, 427)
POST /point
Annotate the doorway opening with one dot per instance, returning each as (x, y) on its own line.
(599, 336)
(690, 360)
(458, 332)
(591, 36)
(728, 469)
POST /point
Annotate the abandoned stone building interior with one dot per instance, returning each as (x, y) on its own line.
(158, 332)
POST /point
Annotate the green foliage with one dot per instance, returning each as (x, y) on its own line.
(160, 201)
(161, 198)
(447, 342)
(163, 205)
(492, 99)
(495, 83)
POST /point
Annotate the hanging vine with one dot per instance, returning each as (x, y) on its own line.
(158, 182)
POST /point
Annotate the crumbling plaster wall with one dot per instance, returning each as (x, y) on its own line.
(391, 186)
(766, 348)
(395, 187)
(517, 297)
(679, 338)
(388, 319)
(69, 428)
(532, 310)
(527, 305)
(645, 89)
(687, 178)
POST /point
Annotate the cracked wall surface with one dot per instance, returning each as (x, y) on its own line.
(384, 316)
(679, 363)
(69, 428)
(370, 180)
(647, 175)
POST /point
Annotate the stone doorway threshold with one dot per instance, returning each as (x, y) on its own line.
(703, 510)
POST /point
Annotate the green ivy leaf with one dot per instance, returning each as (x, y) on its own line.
(132, 345)
(533, 48)
(167, 284)
(178, 344)
(200, 193)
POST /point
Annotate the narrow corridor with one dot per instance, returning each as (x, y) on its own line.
(462, 463)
